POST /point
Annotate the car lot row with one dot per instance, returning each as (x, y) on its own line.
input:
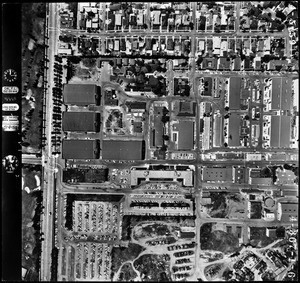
(100, 217)
(93, 261)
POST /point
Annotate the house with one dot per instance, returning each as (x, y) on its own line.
(224, 63)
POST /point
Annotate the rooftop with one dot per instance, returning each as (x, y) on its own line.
(80, 149)
(123, 150)
(81, 94)
(81, 122)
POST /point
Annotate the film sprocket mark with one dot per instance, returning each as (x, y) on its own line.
(10, 89)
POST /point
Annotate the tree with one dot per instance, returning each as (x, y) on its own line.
(165, 119)
(247, 117)
(166, 137)
(226, 108)
(225, 144)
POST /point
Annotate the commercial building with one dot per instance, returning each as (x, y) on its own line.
(217, 174)
(80, 149)
(234, 130)
(287, 211)
(261, 181)
(281, 94)
(139, 175)
(81, 122)
(183, 134)
(239, 174)
(285, 177)
(280, 134)
(81, 94)
(123, 150)
(234, 93)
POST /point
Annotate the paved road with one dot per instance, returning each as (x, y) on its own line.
(31, 159)
(49, 180)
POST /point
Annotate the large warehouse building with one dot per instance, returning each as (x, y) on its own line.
(80, 149)
(123, 150)
(81, 122)
(82, 94)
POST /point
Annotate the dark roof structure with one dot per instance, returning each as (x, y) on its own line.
(81, 94)
(234, 93)
(234, 129)
(81, 122)
(80, 149)
(136, 105)
(123, 150)
(185, 139)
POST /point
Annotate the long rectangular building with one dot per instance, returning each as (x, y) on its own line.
(81, 94)
(234, 130)
(280, 131)
(281, 94)
(81, 122)
(80, 149)
(234, 93)
(123, 150)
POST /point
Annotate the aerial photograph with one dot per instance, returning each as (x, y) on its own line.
(160, 141)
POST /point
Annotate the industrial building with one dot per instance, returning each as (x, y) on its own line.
(81, 122)
(81, 94)
(80, 149)
(123, 150)
(287, 211)
(280, 134)
(217, 174)
(183, 134)
(139, 174)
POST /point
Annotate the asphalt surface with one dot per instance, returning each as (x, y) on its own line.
(49, 165)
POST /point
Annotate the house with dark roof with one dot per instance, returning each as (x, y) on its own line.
(80, 149)
(224, 63)
(123, 150)
(81, 122)
(81, 94)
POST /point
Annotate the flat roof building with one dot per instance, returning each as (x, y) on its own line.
(234, 130)
(217, 174)
(280, 135)
(261, 181)
(80, 149)
(234, 93)
(81, 122)
(287, 211)
(81, 94)
(281, 94)
(184, 176)
(123, 150)
(183, 134)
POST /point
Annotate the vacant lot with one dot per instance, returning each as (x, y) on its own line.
(226, 205)
(218, 240)
(153, 267)
(123, 254)
(258, 237)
